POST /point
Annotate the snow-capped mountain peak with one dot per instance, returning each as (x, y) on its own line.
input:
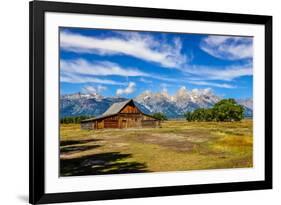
(79, 95)
(173, 106)
(183, 100)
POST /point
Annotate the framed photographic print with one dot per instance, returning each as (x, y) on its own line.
(139, 102)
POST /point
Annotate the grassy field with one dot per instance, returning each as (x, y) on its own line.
(176, 146)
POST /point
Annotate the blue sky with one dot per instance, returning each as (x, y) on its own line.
(125, 63)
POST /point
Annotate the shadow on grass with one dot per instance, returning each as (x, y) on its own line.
(73, 149)
(99, 164)
(73, 142)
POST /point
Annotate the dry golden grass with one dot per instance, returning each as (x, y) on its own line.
(176, 146)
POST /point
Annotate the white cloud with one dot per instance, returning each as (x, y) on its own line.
(224, 74)
(145, 47)
(97, 68)
(128, 90)
(206, 91)
(141, 46)
(101, 88)
(80, 69)
(212, 84)
(91, 89)
(75, 78)
(164, 87)
(144, 80)
(228, 47)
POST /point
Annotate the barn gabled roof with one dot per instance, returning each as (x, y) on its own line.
(114, 109)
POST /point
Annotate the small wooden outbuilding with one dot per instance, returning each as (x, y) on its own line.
(121, 115)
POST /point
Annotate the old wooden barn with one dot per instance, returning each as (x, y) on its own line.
(121, 115)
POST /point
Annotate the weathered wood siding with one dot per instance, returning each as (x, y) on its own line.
(100, 124)
(148, 123)
(146, 117)
(108, 123)
(130, 109)
(129, 117)
(129, 120)
(86, 125)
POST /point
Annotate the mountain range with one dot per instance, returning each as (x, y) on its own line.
(173, 106)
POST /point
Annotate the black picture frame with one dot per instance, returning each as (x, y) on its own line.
(37, 9)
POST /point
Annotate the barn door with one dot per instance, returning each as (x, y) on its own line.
(124, 124)
(110, 123)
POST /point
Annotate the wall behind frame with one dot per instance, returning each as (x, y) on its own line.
(14, 100)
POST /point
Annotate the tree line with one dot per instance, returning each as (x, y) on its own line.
(74, 119)
(225, 110)
(222, 111)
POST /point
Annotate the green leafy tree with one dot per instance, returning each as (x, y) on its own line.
(188, 116)
(209, 115)
(198, 114)
(228, 110)
(160, 116)
(224, 110)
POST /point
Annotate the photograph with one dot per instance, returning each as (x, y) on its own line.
(132, 102)
(150, 101)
